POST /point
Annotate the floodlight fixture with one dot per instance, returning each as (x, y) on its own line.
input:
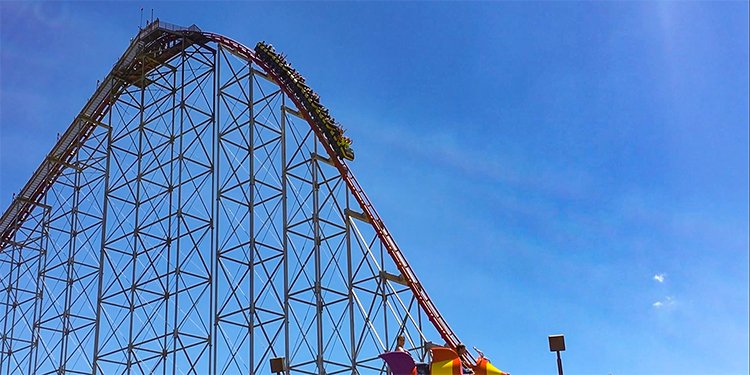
(278, 365)
(556, 343)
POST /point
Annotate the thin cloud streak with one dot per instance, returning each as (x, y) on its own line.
(668, 301)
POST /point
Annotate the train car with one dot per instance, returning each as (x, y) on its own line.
(310, 100)
(445, 361)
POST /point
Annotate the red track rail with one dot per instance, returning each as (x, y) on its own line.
(368, 209)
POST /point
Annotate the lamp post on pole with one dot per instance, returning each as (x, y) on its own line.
(557, 344)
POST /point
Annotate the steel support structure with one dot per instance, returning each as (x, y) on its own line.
(69, 276)
(21, 265)
(201, 228)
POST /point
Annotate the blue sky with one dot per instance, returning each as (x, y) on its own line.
(578, 168)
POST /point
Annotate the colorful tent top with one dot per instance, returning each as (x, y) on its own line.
(445, 361)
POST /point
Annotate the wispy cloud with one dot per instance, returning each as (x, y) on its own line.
(659, 277)
(448, 149)
(667, 302)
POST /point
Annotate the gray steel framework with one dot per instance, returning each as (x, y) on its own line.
(200, 229)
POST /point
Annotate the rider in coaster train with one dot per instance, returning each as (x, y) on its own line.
(465, 368)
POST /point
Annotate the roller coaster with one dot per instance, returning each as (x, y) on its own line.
(199, 216)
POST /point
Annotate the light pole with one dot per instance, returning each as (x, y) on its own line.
(557, 344)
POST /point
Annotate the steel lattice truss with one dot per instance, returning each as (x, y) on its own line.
(199, 228)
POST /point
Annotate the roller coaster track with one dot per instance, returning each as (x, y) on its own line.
(163, 41)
